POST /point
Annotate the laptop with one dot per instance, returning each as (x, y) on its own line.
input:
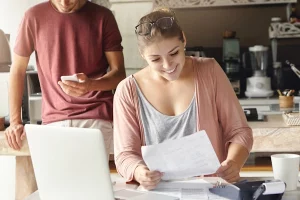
(71, 164)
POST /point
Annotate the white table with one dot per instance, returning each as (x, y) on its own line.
(120, 184)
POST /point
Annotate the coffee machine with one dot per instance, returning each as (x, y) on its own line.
(259, 84)
(232, 63)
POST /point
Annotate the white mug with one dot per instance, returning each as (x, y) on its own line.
(286, 168)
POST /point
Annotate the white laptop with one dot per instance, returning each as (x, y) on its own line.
(71, 164)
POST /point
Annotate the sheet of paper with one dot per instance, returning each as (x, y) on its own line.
(185, 157)
(186, 190)
(127, 194)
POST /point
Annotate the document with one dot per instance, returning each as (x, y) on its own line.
(186, 190)
(127, 194)
(182, 158)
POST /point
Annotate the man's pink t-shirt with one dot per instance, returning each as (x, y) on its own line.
(66, 44)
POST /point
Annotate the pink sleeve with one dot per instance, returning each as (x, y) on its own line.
(24, 44)
(127, 135)
(231, 116)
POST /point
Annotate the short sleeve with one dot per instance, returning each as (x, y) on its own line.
(111, 35)
(24, 45)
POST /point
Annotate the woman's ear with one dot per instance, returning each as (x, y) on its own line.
(141, 54)
(184, 39)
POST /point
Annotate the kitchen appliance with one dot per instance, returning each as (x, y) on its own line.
(259, 85)
(196, 51)
(5, 61)
(232, 63)
(5, 56)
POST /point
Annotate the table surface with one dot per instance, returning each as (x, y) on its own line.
(120, 184)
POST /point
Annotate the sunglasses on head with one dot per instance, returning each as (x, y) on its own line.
(145, 28)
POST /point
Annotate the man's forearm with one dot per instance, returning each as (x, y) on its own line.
(16, 86)
(237, 153)
(108, 82)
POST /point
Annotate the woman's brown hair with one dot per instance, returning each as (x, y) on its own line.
(156, 33)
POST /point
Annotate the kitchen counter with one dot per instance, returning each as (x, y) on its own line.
(272, 135)
(271, 121)
(6, 150)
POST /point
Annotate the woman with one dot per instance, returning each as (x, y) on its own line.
(175, 96)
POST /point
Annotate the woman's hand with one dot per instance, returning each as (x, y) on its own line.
(229, 171)
(148, 179)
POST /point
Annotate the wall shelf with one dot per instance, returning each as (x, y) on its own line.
(210, 3)
(284, 30)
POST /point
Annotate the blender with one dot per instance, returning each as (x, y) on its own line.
(259, 85)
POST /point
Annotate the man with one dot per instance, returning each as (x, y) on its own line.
(68, 37)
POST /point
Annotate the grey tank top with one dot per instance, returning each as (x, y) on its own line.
(159, 127)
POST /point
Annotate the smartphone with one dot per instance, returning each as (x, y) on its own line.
(70, 78)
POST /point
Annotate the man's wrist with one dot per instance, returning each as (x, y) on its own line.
(90, 85)
(15, 122)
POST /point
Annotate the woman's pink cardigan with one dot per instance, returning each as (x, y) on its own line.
(218, 113)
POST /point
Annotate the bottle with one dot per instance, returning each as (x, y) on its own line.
(293, 15)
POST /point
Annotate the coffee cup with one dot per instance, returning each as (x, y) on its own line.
(286, 168)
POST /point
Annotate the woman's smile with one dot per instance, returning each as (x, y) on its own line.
(171, 70)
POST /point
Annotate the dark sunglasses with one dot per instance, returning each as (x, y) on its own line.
(145, 28)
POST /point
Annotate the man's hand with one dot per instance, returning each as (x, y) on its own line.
(229, 171)
(76, 89)
(148, 179)
(14, 134)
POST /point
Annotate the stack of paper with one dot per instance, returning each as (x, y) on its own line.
(186, 190)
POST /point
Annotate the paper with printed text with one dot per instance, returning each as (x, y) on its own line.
(181, 158)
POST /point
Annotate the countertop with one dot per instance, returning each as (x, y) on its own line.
(271, 121)
(272, 135)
